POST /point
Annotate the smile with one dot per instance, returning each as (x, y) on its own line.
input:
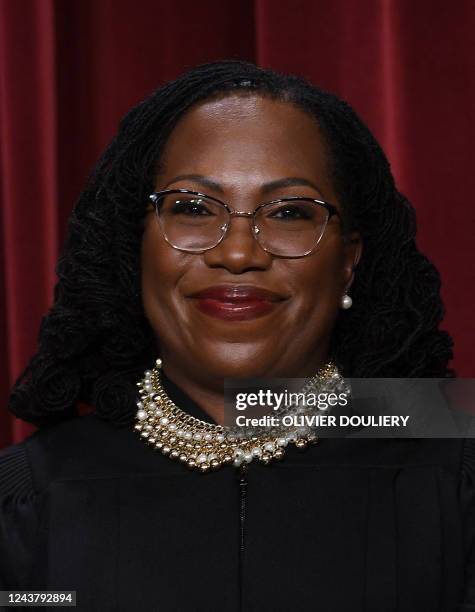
(237, 302)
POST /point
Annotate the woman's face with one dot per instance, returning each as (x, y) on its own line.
(234, 149)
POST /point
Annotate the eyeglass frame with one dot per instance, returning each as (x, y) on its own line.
(332, 211)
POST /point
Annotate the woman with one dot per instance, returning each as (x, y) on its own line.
(206, 275)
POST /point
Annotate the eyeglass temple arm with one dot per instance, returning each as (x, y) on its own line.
(332, 210)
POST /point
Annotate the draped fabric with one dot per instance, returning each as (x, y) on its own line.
(353, 524)
(70, 69)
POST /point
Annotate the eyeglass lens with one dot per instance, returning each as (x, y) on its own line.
(287, 228)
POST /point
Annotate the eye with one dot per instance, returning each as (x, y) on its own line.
(291, 212)
(191, 208)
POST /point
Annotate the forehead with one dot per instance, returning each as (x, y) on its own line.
(247, 139)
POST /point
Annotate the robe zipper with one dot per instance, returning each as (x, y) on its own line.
(242, 478)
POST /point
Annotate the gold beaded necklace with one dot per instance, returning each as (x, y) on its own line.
(205, 446)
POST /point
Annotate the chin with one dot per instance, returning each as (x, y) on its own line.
(238, 360)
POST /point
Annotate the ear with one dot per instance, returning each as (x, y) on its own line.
(352, 255)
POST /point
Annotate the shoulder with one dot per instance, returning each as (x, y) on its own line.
(82, 447)
(18, 513)
(467, 467)
(15, 473)
(468, 455)
(79, 449)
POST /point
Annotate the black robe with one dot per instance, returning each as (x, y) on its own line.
(349, 525)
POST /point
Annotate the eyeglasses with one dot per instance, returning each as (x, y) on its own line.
(194, 222)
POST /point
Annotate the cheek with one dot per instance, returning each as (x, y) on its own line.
(318, 283)
(161, 271)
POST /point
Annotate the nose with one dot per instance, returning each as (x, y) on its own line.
(239, 251)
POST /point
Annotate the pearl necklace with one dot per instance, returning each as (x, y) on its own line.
(205, 446)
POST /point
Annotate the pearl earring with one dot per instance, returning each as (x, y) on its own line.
(346, 302)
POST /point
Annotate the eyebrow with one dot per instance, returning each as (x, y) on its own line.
(291, 181)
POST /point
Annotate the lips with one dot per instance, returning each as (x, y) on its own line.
(236, 302)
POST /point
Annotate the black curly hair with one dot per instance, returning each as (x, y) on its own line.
(95, 341)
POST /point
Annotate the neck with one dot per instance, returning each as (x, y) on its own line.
(209, 394)
(210, 400)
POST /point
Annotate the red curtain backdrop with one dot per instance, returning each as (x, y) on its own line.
(69, 69)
